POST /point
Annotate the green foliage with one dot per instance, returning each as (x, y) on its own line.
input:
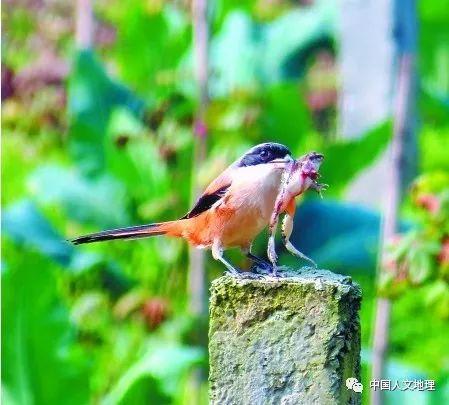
(24, 224)
(152, 39)
(108, 323)
(434, 46)
(81, 198)
(285, 115)
(421, 256)
(434, 144)
(159, 362)
(40, 355)
(410, 334)
(92, 96)
(21, 25)
(346, 159)
(138, 165)
(266, 55)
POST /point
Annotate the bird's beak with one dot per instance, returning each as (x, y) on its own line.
(286, 159)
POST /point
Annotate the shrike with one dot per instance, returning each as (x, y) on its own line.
(231, 212)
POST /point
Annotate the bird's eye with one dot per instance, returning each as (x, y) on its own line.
(264, 153)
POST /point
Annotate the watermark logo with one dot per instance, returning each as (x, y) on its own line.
(353, 384)
(391, 385)
(405, 385)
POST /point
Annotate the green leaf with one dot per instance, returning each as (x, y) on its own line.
(138, 164)
(437, 297)
(343, 160)
(27, 227)
(150, 44)
(91, 97)
(434, 144)
(420, 266)
(269, 52)
(285, 114)
(282, 41)
(100, 201)
(164, 363)
(399, 250)
(41, 363)
(235, 67)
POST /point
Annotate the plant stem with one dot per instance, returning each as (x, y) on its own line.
(197, 293)
(84, 24)
(196, 281)
(390, 223)
(403, 163)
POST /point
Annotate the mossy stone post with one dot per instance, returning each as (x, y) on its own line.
(292, 340)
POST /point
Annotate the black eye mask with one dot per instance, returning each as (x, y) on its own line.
(263, 154)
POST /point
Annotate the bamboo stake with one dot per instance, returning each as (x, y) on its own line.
(196, 286)
(84, 24)
(390, 223)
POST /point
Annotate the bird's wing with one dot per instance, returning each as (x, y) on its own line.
(214, 192)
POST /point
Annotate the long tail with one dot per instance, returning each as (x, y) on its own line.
(173, 228)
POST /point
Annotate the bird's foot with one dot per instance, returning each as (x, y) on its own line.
(270, 273)
(275, 272)
(262, 268)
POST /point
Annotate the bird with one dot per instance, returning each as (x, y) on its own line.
(230, 213)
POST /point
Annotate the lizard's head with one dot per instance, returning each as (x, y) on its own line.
(310, 164)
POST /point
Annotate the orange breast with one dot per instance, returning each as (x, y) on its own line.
(232, 227)
(243, 227)
(242, 214)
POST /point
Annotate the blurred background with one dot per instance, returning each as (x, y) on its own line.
(117, 113)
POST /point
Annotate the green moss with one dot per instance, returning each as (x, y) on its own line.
(292, 340)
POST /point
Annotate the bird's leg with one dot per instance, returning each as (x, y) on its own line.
(217, 254)
(286, 231)
(263, 264)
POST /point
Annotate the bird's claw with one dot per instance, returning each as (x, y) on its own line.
(274, 271)
(262, 268)
(275, 274)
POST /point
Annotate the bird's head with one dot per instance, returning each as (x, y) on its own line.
(263, 153)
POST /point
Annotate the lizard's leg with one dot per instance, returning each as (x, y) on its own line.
(271, 248)
(319, 187)
(286, 231)
(271, 252)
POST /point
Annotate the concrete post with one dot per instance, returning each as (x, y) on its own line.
(293, 340)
